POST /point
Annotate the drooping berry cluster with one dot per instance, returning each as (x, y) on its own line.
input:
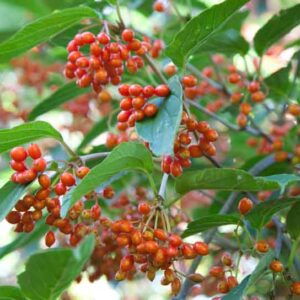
(106, 59)
(194, 141)
(135, 107)
(25, 174)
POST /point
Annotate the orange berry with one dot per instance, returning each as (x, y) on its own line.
(245, 205)
(262, 246)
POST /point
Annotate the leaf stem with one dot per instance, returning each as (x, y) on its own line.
(151, 63)
(70, 152)
(119, 14)
(293, 252)
(163, 186)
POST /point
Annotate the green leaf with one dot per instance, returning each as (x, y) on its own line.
(66, 93)
(292, 221)
(222, 179)
(208, 222)
(278, 83)
(229, 42)
(160, 131)
(47, 274)
(126, 156)
(283, 180)
(97, 129)
(112, 2)
(238, 291)
(41, 30)
(263, 212)
(10, 193)
(25, 133)
(9, 292)
(24, 239)
(278, 26)
(261, 267)
(199, 29)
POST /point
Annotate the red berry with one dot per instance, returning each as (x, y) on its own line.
(135, 90)
(82, 171)
(34, 151)
(67, 179)
(108, 192)
(13, 217)
(234, 78)
(127, 35)
(189, 81)
(253, 86)
(60, 189)
(245, 205)
(276, 266)
(201, 248)
(18, 154)
(148, 91)
(39, 165)
(162, 90)
(262, 246)
(124, 90)
(217, 272)
(295, 288)
(49, 239)
(150, 110)
(18, 166)
(175, 168)
(103, 38)
(44, 181)
(144, 208)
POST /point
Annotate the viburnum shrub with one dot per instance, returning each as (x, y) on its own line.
(171, 155)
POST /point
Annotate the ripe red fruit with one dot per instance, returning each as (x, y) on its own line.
(258, 96)
(160, 234)
(276, 266)
(138, 102)
(17, 166)
(201, 248)
(217, 272)
(175, 168)
(144, 208)
(148, 91)
(223, 287)
(29, 175)
(13, 217)
(232, 282)
(82, 171)
(189, 81)
(262, 246)
(162, 90)
(242, 120)
(295, 288)
(159, 6)
(60, 189)
(126, 103)
(67, 179)
(150, 110)
(127, 263)
(49, 239)
(294, 109)
(39, 165)
(226, 259)
(135, 90)
(18, 154)
(44, 181)
(245, 205)
(245, 108)
(175, 240)
(108, 192)
(253, 86)
(103, 38)
(234, 78)
(34, 151)
(127, 35)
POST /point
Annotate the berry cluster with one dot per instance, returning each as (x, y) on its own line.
(194, 141)
(25, 174)
(135, 107)
(149, 247)
(106, 59)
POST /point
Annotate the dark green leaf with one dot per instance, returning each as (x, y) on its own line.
(25, 133)
(10, 193)
(24, 239)
(278, 26)
(261, 267)
(284, 180)
(208, 222)
(278, 83)
(66, 93)
(222, 179)
(263, 212)
(8, 292)
(229, 42)
(199, 29)
(41, 30)
(238, 291)
(292, 221)
(52, 271)
(127, 156)
(160, 131)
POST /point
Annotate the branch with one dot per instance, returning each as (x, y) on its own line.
(163, 185)
(93, 156)
(151, 63)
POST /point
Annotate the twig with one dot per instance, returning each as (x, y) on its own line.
(254, 125)
(70, 152)
(93, 156)
(155, 69)
(119, 15)
(163, 185)
(212, 82)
